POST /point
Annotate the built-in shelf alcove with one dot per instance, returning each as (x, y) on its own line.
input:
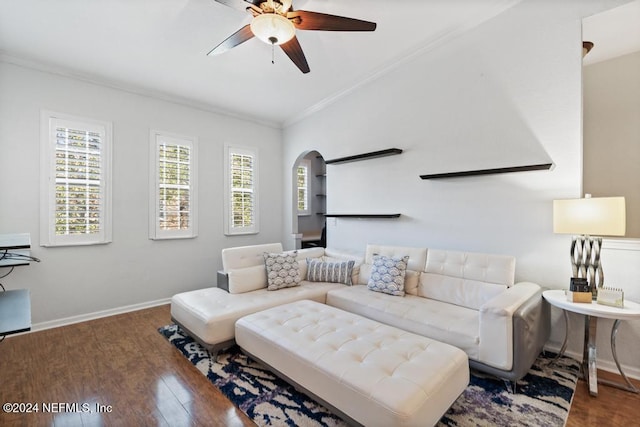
(309, 180)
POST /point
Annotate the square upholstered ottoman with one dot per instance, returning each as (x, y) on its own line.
(368, 372)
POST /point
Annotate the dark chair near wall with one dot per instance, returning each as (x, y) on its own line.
(322, 243)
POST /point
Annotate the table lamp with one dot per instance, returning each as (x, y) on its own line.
(588, 219)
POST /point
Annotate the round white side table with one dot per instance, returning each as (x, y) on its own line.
(592, 311)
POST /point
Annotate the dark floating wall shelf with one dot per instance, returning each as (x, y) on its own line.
(365, 156)
(544, 166)
(397, 215)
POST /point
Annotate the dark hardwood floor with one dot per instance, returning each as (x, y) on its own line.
(612, 407)
(121, 361)
(137, 378)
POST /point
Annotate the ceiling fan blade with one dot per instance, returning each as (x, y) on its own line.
(239, 37)
(294, 51)
(239, 4)
(305, 20)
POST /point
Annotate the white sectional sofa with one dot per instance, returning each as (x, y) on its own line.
(468, 300)
(209, 315)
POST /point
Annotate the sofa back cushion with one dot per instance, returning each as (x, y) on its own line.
(246, 269)
(417, 260)
(303, 254)
(247, 256)
(245, 266)
(465, 279)
(247, 279)
(337, 256)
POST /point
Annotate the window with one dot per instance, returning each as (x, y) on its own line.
(303, 187)
(173, 193)
(241, 183)
(76, 180)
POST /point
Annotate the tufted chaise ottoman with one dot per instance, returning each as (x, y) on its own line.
(367, 372)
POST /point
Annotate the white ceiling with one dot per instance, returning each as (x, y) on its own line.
(159, 47)
(614, 33)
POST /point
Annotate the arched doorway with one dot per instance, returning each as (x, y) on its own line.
(309, 200)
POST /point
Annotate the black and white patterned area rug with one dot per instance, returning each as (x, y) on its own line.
(543, 396)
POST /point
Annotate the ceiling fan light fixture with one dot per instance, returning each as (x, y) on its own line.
(272, 28)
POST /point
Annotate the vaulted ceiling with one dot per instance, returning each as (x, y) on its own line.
(614, 32)
(159, 47)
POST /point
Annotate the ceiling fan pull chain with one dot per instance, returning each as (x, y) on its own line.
(273, 53)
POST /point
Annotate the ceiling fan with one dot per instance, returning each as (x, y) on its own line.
(275, 23)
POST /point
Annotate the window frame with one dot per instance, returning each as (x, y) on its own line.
(229, 228)
(306, 164)
(157, 138)
(49, 122)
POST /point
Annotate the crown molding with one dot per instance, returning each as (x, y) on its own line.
(404, 58)
(58, 70)
(398, 61)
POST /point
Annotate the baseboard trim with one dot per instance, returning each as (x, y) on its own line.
(96, 315)
(604, 365)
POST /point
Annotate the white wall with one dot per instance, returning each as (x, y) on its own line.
(74, 281)
(612, 133)
(506, 93)
(611, 158)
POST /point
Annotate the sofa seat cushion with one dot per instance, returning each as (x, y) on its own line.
(448, 323)
(211, 313)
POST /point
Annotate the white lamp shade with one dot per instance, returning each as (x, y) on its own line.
(272, 28)
(597, 216)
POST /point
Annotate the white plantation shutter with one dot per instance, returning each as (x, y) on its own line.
(241, 190)
(76, 196)
(241, 202)
(78, 181)
(303, 187)
(173, 201)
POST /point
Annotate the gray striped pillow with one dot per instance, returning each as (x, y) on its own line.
(334, 272)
